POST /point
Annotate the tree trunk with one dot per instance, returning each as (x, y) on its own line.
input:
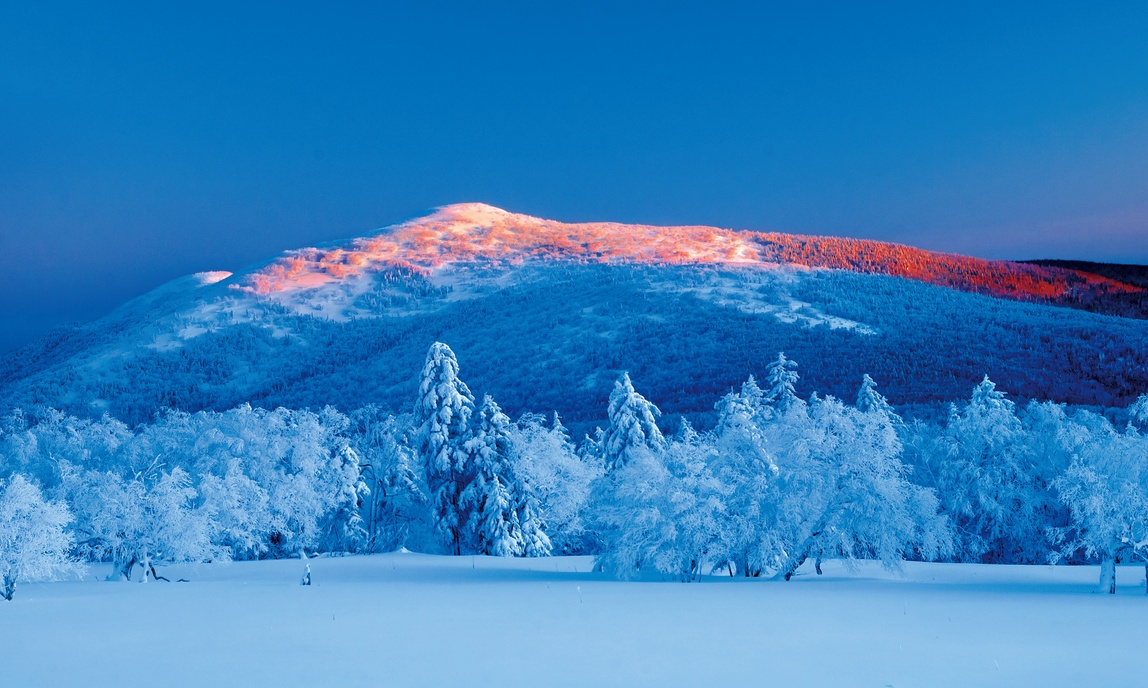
(121, 569)
(146, 566)
(9, 587)
(1108, 574)
(817, 564)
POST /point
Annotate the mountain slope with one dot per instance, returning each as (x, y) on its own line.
(544, 315)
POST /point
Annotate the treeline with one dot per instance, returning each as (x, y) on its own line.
(780, 480)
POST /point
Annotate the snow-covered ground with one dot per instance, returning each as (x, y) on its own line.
(416, 620)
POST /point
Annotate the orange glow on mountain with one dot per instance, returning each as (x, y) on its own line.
(474, 233)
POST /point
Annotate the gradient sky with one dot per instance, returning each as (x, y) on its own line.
(140, 143)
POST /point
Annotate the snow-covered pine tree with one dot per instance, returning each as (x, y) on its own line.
(497, 498)
(442, 415)
(869, 400)
(33, 541)
(741, 410)
(781, 378)
(664, 511)
(633, 425)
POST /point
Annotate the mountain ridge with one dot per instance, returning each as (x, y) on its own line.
(545, 315)
(479, 233)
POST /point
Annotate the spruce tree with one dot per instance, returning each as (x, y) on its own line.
(633, 425)
(442, 415)
(781, 378)
(500, 510)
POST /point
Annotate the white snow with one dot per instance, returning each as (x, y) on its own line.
(416, 620)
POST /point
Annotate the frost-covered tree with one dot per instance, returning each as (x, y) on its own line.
(781, 380)
(743, 464)
(869, 400)
(663, 512)
(1138, 413)
(143, 518)
(633, 425)
(394, 511)
(845, 493)
(442, 415)
(1106, 490)
(34, 541)
(985, 477)
(344, 528)
(559, 477)
(501, 515)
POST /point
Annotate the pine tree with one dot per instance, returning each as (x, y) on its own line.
(442, 414)
(782, 377)
(741, 410)
(869, 400)
(497, 499)
(633, 424)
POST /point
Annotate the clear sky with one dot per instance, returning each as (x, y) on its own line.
(143, 142)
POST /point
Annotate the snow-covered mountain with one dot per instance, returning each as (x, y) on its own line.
(545, 314)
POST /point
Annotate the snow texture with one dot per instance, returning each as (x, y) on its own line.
(387, 619)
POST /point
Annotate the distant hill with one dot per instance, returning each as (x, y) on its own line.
(544, 315)
(1126, 304)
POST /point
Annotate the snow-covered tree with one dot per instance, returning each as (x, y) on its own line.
(144, 518)
(501, 515)
(633, 425)
(559, 477)
(442, 415)
(985, 477)
(781, 380)
(845, 493)
(743, 464)
(663, 512)
(1138, 413)
(394, 510)
(869, 400)
(1106, 490)
(34, 542)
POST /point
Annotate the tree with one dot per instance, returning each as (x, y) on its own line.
(781, 380)
(743, 464)
(986, 481)
(633, 425)
(442, 415)
(34, 543)
(500, 513)
(845, 493)
(664, 511)
(395, 508)
(1138, 413)
(559, 477)
(1106, 490)
(869, 400)
(143, 518)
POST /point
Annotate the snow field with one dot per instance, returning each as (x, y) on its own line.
(419, 620)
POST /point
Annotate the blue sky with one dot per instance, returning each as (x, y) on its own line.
(143, 142)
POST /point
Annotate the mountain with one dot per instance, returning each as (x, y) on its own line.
(544, 315)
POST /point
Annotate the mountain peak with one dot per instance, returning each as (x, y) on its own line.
(480, 234)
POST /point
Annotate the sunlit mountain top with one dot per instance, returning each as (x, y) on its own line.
(471, 233)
